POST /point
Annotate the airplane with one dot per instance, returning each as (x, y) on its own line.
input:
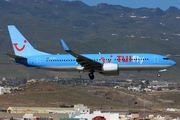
(105, 64)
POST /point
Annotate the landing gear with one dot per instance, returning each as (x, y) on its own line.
(160, 71)
(91, 75)
(158, 75)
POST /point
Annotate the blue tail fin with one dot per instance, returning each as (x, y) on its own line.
(20, 44)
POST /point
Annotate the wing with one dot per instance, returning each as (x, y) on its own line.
(85, 62)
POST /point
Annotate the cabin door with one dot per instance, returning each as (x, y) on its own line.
(155, 59)
(38, 60)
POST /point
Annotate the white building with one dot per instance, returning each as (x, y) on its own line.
(107, 116)
(1, 90)
(5, 90)
(79, 109)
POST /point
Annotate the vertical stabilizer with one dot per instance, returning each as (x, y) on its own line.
(20, 44)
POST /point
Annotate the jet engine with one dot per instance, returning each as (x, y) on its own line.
(110, 69)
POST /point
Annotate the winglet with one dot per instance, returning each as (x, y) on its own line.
(65, 46)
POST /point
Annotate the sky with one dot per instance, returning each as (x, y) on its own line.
(163, 4)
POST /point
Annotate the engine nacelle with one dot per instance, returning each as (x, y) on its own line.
(109, 69)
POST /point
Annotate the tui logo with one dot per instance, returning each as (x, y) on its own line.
(19, 49)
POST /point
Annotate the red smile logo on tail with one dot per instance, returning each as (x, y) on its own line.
(19, 49)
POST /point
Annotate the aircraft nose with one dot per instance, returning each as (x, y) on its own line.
(173, 63)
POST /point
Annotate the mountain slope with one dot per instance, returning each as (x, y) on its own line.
(103, 28)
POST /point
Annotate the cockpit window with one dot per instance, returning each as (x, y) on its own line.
(165, 58)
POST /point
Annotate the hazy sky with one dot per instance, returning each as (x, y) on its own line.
(163, 4)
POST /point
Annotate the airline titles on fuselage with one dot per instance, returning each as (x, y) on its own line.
(119, 58)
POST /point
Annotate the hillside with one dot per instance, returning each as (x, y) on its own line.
(46, 94)
(88, 29)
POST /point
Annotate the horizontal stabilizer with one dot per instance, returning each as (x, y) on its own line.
(15, 56)
(169, 55)
(163, 70)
